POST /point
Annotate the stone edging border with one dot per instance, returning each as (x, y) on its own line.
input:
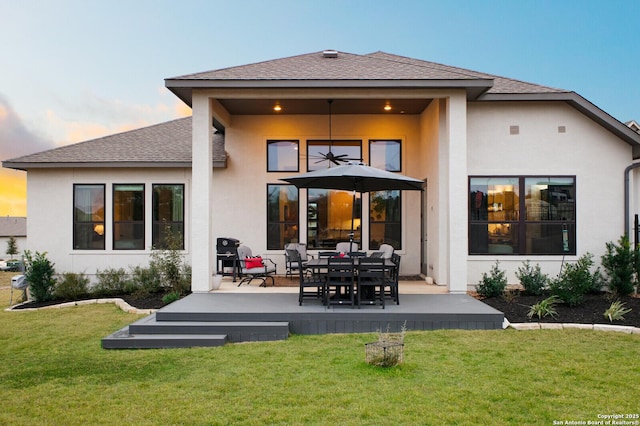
(560, 326)
(117, 301)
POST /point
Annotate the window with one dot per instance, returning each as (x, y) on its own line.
(168, 214)
(128, 217)
(384, 219)
(317, 151)
(329, 218)
(385, 155)
(522, 215)
(282, 156)
(282, 216)
(88, 217)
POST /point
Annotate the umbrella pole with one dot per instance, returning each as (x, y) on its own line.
(353, 213)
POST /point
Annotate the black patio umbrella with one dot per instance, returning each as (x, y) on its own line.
(356, 177)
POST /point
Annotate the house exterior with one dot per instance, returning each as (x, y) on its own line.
(16, 227)
(513, 171)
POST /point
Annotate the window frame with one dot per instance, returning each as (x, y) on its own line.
(156, 223)
(94, 223)
(132, 222)
(521, 221)
(297, 149)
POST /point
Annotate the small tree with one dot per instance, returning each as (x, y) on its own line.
(619, 262)
(39, 273)
(174, 272)
(12, 247)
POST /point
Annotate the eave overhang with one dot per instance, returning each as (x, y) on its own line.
(183, 88)
(24, 166)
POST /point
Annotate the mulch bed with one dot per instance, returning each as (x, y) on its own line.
(591, 311)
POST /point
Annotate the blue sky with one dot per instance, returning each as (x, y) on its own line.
(73, 70)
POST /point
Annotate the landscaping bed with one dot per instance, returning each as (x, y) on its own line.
(517, 305)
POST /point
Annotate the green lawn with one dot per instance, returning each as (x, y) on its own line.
(55, 372)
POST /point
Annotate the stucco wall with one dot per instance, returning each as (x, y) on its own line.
(50, 207)
(239, 199)
(585, 149)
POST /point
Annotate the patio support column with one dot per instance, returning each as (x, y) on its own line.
(457, 178)
(202, 245)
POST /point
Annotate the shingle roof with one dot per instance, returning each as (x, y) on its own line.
(11, 226)
(347, 66)
(161, 145)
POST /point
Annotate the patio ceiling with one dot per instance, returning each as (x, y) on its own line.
(320, 106)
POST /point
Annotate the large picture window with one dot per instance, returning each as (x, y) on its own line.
(128, 217)
(522, 215)
(282, 156)
(168, 214)
(329, 218)
(384, 219)
(88, 217)
(385, 155)
(282, 216)
(318, 150)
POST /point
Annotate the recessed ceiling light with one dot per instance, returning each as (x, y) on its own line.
(277, 108)
(387, 107)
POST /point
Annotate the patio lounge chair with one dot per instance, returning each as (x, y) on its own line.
(255, 267)
(346, 247)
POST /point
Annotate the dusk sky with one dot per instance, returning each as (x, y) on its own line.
(73, 70)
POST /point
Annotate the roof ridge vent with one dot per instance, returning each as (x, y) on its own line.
(330, 53)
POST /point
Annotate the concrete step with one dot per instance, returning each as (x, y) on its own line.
(236, 331)
(122, 339)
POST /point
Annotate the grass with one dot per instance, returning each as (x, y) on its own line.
(55, 372)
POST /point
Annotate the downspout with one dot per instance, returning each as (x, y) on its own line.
(627, 211)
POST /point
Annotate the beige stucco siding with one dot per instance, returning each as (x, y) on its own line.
(595, 156)
(51, 221)
(239, 198)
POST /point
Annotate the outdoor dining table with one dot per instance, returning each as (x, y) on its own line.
(319, 265)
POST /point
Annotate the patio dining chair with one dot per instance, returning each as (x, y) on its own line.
(346, 247)
(340, 279)
(392, 278)
(371, 281)
(294, 265)
(255, 267)
(311, 285)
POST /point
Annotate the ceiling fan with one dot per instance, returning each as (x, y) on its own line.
(330, 156)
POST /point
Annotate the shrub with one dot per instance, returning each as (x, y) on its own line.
(619, 263)
(492, 285)
(171, 297)
(616, 311)
(545, 308)
(146, 280)
(175, 274)
(39, 273)
(576, 280)
(71, 286)
(111, 282)
(532, 278)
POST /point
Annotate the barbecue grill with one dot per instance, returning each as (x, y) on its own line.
(227, 257)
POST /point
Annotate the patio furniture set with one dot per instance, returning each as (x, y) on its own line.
(350, 278)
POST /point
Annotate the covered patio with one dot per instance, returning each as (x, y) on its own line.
(252, 313)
